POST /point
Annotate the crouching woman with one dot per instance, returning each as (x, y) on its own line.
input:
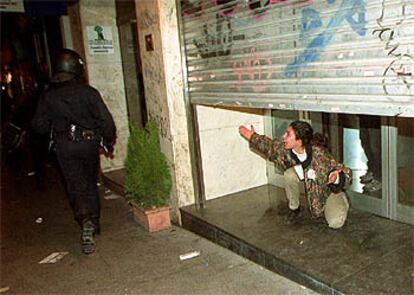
(304, 162)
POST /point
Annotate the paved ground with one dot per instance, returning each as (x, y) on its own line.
(128, 260)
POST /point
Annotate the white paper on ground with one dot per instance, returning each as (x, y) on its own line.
(54, 257)
(111, 197)
(189, 255)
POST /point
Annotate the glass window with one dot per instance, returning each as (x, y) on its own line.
(357, 142)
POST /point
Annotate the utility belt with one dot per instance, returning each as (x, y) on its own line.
(76, 133)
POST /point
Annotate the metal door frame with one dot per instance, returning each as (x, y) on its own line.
(397, 211)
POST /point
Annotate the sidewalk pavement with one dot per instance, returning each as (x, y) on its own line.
(128, 260)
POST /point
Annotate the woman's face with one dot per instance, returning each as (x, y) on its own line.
(290, 141)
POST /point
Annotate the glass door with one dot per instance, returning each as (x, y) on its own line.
(379, 151)
(359, 141)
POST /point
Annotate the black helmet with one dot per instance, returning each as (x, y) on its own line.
(68, 65)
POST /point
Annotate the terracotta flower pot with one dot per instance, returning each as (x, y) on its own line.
(152, 219)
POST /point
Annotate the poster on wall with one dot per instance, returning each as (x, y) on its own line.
(100, 39)
(11, 5)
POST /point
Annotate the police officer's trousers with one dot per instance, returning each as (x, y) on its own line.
(79, 164)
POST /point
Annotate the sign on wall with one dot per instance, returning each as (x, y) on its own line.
(100, 39)
(11, 5)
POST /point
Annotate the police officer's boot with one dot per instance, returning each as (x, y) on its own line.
(96, 224)
(87, 237)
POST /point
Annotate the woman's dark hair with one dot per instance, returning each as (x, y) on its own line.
(303, 131)
(320, 140)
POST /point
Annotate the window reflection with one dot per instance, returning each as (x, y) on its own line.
(370, 138)
(358, 140)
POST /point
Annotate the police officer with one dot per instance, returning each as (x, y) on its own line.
(80, 123)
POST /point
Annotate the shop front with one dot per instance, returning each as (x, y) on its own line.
(345, 66)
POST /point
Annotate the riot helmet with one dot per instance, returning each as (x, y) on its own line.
(68, 65)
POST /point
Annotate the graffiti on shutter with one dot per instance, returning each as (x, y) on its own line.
(349, 56)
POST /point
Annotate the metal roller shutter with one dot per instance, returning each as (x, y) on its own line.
(342, 56)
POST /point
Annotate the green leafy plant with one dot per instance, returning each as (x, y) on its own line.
(148, 179)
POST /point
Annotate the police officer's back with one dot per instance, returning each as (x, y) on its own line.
(80, 122)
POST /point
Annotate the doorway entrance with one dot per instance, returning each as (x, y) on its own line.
(131, 63)
(377, 149)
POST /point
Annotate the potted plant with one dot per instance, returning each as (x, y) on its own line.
(148, 179)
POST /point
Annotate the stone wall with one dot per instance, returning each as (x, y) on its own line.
(228, 164)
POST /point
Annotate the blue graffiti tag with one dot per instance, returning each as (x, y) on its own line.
(346, 11)
(311, 21)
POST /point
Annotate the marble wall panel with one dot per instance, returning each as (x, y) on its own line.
(105, 72)
(223, 178)
(176, 103)
(173, 66)
(228, 163)
(216, 117)
(183, 172)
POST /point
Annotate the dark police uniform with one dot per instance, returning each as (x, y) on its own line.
(81, 122)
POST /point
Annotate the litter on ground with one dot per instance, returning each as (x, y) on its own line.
(189, 255)
(54, 257)
(111, 197)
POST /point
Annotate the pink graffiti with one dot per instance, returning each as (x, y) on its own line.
(251, 68)
(293, 3)
(227, 11)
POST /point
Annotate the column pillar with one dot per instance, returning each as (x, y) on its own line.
(163, 82)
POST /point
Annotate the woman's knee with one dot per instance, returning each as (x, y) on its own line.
(336, 210)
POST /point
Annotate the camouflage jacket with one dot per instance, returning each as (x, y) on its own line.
(316, 168)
